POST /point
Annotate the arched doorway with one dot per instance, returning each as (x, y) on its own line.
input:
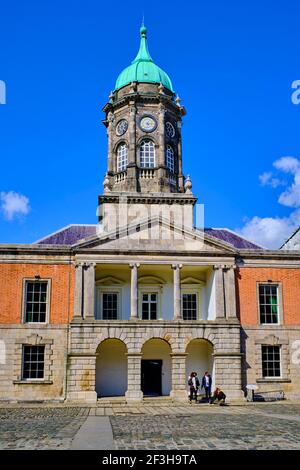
(200, 358)
(156, 368)
(111, 368)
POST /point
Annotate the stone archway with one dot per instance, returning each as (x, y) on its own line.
(200, 358)
(156, 367)
(111, 368)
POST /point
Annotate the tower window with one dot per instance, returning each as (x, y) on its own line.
(122, 157)
(147, 154)
(170, 158)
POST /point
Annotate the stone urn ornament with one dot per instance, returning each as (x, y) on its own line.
(188, 185)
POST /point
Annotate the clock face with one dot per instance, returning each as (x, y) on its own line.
(148, 124)
(170, 131)
(122, 127)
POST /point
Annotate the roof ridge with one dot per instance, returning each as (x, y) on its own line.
(61, 230)
(238, 235)
(289, 238)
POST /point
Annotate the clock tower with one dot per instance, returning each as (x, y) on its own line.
(143, 118)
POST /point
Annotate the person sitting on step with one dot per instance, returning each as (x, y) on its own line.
(218, 396)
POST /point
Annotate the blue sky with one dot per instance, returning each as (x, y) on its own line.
(231, 62)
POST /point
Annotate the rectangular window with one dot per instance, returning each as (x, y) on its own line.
(189, 306)
(268, 303)
(149, 306)
(36, 299)
(33, 362)
(271, 361)
(110, 305)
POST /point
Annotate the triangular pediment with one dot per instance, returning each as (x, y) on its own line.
(155, 235)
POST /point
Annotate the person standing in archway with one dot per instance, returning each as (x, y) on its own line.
(193, 383)
(206, 384)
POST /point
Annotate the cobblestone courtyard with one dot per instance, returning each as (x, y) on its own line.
(263, 426)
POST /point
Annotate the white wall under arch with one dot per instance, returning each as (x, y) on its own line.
(199, 359)
(159, 349)
(111, 368)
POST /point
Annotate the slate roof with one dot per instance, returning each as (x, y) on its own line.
(74, 233)
(232, 238)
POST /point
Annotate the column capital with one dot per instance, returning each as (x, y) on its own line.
(88, 264)
(230, 266)
(177, 266)
(134, 265)
(218, 266)
(78, 264)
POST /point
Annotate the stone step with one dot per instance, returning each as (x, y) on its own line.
(147, 401)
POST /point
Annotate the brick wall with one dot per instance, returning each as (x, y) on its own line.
(11, 290)
(247, 279)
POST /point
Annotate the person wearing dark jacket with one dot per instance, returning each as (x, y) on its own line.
(206, 384)
(193, 383)
(219, 396)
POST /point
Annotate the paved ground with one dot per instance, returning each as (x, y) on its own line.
(259, 426)
(40, 428)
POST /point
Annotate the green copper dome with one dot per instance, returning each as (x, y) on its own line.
(142, 68)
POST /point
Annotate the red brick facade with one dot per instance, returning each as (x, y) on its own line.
(247, 279)
(61, 294)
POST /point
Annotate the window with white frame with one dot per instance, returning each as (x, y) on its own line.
(147, 154)
(122, 157)
(149, 305)
(170, 158)
(271, 363)
(35, 301)
(190, 306)
(268, 303)
(110, 305)
(33, 363)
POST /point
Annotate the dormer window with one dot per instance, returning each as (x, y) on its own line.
(147, 154)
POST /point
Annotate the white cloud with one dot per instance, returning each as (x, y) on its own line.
(267, 179)
(291, 196)
(271, 232)
(13, 204)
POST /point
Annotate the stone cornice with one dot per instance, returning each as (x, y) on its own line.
(259, 255)
(140, 97)
(139, 323)
(26, 249)
(151, 198)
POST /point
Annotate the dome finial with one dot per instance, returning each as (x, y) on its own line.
(142, 68)
(143, 29)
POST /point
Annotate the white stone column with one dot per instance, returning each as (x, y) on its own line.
(134, 314)
(228, 376)
(179, 149)
(78, 300)
(177, 291)
(110, 133)
(219, 291)
(134, 392)
(230, 292)
(161, 159)
(89, 291)
(81, 378)
(179, 378)
(132, 134)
